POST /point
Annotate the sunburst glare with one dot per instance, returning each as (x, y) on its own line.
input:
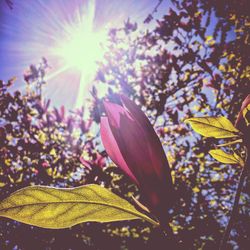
(81, 50)
(79, 47)
(71, 35)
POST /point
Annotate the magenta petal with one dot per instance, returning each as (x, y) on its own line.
(112, 148)
(136, 143)
(137, 151)
(132, 143)
(114, 113)
(136, 112)
(85, 163)
(157, 154)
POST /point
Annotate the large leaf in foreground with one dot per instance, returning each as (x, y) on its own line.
(217, 127)
(224, 157)
(60, 208)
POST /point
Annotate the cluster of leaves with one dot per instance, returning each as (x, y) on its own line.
(192, 62)
(37, 143)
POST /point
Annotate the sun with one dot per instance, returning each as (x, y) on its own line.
(77, 48)
(81, 49)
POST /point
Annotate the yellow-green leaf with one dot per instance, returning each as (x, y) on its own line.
(224, 157)
(49, 207)
(217, 127)
(245, 114)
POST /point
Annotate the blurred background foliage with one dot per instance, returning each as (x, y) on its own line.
(192, 62)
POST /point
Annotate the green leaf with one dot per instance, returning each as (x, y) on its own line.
(224, 157)
(217, 127)
(49, 207)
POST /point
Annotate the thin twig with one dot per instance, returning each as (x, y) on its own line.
(234, 210)
(150, 16)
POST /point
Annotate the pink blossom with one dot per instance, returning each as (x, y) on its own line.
(132, 143)
(45, 164)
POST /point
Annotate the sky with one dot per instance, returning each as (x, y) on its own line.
(47, 28)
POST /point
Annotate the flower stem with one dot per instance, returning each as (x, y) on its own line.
(234, 210)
